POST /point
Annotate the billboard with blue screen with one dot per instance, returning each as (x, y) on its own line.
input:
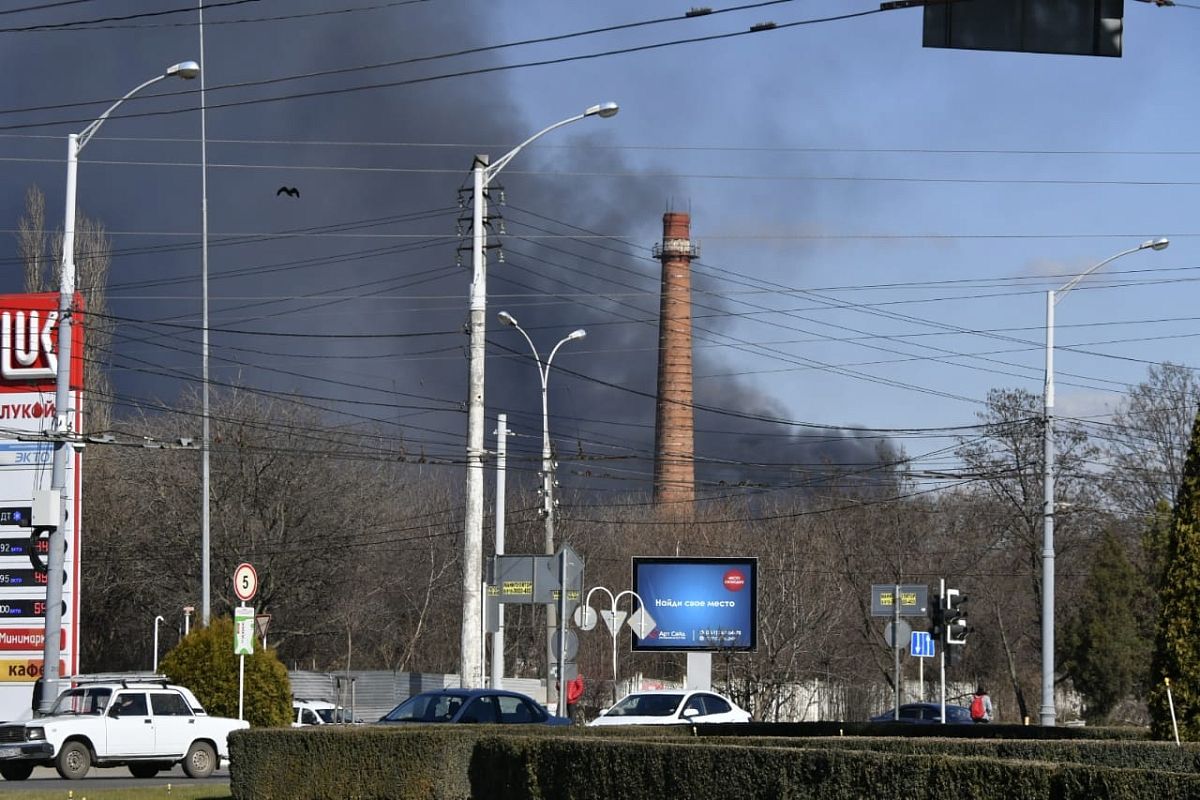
(698, 604)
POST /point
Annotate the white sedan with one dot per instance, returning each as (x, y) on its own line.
(671, 707)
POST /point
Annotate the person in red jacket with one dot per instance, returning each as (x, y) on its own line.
(574, 693)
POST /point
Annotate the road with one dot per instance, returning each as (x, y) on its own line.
(110, 778)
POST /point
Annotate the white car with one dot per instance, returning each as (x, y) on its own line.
(672, 707)
(320, 712)
(148, 727)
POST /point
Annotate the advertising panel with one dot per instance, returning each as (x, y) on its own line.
(28, 365)
(698, 604)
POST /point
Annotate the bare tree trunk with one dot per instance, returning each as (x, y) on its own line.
(1012, 667)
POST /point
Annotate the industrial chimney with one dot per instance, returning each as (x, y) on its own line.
(674, 446)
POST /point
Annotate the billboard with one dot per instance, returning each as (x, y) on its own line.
(28, 366)
(1064, 27)
(698, 604)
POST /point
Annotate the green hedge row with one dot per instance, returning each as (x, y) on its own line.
(478, 762)
(1122, 754)
(509, 768)
(891, 729)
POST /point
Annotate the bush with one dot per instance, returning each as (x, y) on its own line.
(204, 662)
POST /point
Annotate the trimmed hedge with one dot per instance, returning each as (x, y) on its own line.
(511, 768)
(337, 762)
(489, 762)
(1121, 754)
(893, 729)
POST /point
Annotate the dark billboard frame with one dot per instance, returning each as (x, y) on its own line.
(747, 563)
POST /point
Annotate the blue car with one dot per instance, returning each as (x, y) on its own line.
(927, 714)
(490, 706)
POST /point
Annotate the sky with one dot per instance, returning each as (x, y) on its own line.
(878, 221)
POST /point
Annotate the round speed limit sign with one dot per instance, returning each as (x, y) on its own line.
(245, 582)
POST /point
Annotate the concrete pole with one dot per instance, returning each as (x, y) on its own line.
(1047, 712)
(205, 429)
(472, 610)
(51, 649)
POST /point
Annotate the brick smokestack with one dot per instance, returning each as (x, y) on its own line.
(674, 446)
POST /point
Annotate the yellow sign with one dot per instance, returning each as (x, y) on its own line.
(517, 588)
(23, 670)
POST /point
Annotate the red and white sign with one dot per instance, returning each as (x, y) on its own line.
(28, 343)
(734, 580)
(28, 367)
(26, 639)
(245, 582)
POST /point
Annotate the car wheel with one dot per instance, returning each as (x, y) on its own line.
(16, 772)
(143, 770)
(200, 760)
(73, 760)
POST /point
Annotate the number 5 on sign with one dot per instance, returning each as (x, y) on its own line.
(245, 582)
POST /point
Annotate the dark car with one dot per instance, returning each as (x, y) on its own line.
(473, 706)
(927, 714)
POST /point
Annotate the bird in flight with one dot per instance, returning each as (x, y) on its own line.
(288, 190)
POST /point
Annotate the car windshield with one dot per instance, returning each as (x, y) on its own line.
(646, 705)
(332, 715)
(431, 707)
(81, 701)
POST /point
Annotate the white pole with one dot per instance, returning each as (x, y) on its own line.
(1171, 703)
(561, 655)
(896, 646)
(501, 479)
(205, 432)
(472, 609)
(241, 685)
(157, 620)
(942, 648)
(1047, 711)
(921, 679)
(51, 650)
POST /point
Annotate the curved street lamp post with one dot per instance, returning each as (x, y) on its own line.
(62, 387)
(586, 619)
(547, 483)
(1047, 712)
(471, 640)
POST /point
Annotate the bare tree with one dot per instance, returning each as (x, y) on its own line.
(1148, 438)
(41, 252)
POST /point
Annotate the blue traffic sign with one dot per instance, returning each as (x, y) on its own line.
(921, 645)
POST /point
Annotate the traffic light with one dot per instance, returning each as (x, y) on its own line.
(955, 617)
(938, 618)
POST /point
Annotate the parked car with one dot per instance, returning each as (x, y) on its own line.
(927, 714)
(672, 707)
(320, 712)
(146, 726)
(473, 706)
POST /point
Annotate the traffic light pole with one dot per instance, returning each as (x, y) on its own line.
(942, 679)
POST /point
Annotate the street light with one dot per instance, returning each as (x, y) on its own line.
(1047, 712)
(471, 641)
(547, 474)
(62, 388)
(547, 464)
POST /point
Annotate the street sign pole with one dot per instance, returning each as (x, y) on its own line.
(245, 586)
(896, 646)
(562, 633)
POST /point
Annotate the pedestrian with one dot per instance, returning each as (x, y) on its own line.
(981, 706)
(574, 693)
(38, 689)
